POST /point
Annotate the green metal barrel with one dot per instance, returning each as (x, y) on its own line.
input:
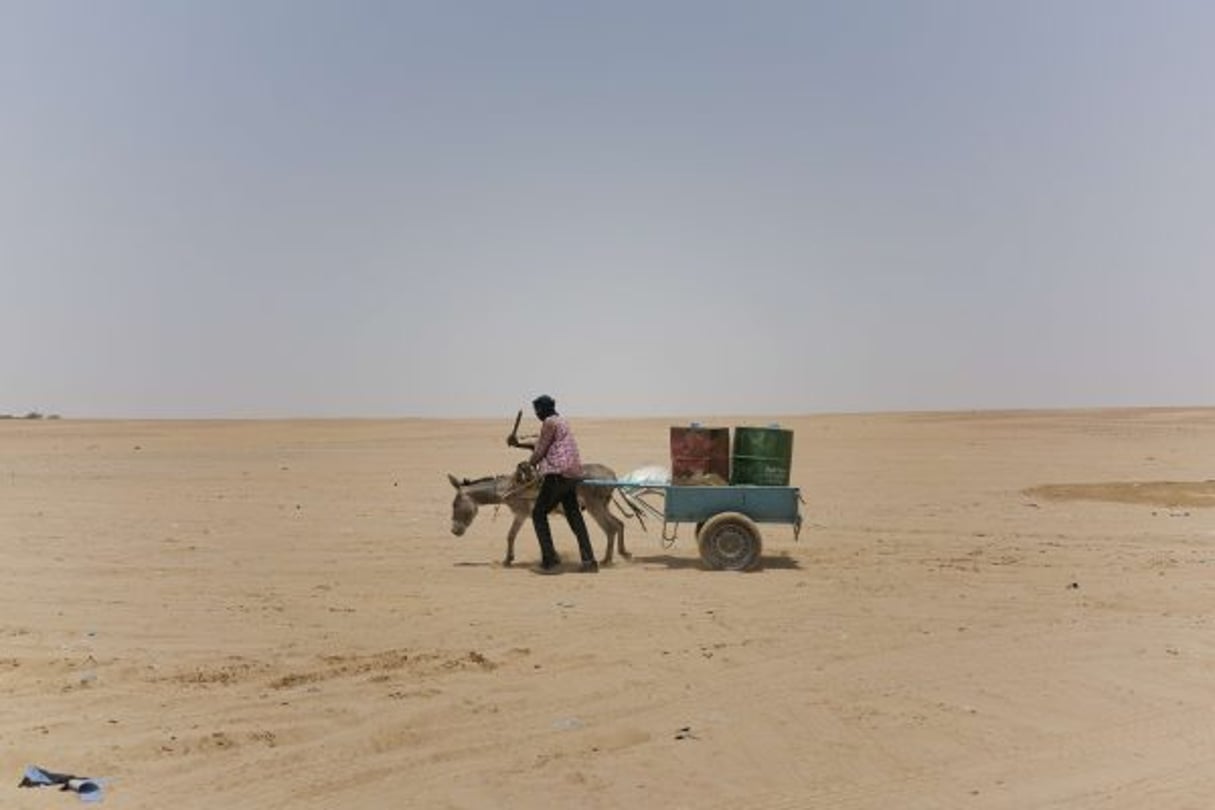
(762, 456)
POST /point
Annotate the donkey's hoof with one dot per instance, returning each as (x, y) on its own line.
(507, 562)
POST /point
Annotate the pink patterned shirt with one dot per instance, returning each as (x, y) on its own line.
(556, 451)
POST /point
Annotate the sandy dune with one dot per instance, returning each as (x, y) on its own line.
(985, 610)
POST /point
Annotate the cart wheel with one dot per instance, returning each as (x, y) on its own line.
(729, 541)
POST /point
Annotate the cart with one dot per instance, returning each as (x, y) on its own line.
(725, 516)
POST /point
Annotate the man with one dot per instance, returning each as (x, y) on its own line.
(555, 457)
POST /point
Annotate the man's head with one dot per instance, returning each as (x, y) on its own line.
(545, 406)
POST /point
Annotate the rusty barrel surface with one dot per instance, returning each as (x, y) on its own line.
(700, 454)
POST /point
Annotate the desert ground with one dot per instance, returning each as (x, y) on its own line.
(984, 610)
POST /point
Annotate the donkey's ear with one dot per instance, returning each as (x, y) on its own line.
(454, 482)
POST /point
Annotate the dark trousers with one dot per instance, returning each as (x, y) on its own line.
(557, 489)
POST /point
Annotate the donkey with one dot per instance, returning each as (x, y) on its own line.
(506, 490)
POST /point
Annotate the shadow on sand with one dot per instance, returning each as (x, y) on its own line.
(669, 561)
(766, 563)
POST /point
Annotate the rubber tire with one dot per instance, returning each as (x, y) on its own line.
(730, 541)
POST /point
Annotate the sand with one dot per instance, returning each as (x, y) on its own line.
(984, 610)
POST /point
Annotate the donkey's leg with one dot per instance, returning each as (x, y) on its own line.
(618, 526)
(611, 526)
(596, 513)
(620, 537)
(515, 525)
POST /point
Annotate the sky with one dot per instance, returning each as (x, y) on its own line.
(294, 208)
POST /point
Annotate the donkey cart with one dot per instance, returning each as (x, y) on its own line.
(725, 516)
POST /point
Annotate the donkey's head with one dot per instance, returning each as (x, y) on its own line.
(463, 508)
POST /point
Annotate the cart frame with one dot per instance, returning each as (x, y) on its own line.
(725, 516)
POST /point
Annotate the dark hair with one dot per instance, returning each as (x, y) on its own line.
(545, 405)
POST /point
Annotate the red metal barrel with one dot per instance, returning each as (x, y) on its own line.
(700, 455)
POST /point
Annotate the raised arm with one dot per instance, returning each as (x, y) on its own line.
(513, 439)
(548, 432)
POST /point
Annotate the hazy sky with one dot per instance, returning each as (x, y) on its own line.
(253, 208)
